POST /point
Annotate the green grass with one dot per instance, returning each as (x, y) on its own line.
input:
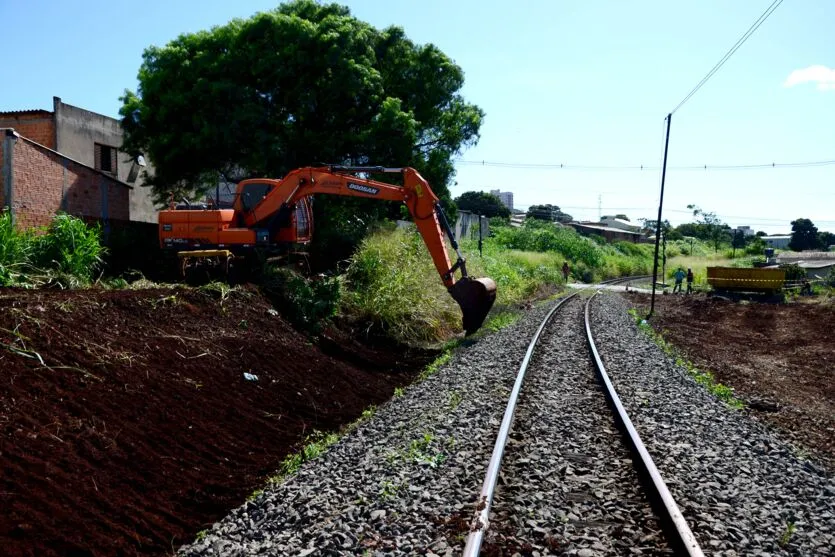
(392, 284)
(315, 444)
(67, 253)
(699, 264)
(501, 320)
(787, 534)
(70, 247)
(15, 251)
(703, 378)
(455, 399)
(313, 447)
(433, 368)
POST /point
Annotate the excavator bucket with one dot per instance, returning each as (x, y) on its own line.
(476, 297)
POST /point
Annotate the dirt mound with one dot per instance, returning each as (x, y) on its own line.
(777, 357)
(128, 425)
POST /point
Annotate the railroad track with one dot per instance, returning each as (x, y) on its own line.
(597, 483)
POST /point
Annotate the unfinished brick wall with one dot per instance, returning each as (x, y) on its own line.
(37, 125)
(44, 183)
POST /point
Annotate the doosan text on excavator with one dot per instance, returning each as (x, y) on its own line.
(270, 213)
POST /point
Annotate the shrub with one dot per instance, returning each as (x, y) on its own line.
(393, 284)
(543, 236)
(15, 250)
(70, 247)
(793, 271)
(306, 303)
(67, 253)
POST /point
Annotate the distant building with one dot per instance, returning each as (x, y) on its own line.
(818, 264)
(621, 224)
(505, 196)
(71, 136)
(744, 230)
(777, 242)
(611, 234)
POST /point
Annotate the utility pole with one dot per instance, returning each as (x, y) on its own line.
(658, 222)
(480, 233)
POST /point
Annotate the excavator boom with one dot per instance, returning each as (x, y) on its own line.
(263, 207)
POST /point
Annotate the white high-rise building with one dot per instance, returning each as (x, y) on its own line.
(505, 196)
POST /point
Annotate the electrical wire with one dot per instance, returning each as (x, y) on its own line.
(764, 221)
(555, 166)
(754, 26)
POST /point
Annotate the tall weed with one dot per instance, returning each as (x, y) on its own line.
(15, 250)
(392, 283)
(69, 247)
(305, 302)
(67, 253)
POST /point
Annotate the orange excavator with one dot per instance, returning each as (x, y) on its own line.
(271, 213)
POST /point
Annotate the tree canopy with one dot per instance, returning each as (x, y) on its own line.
(826, 239)
(548, 212)
(804, 235)
(667, 230)
(708, 227)
(482, 203)
(303, 84)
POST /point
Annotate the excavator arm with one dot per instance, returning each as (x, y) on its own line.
(474, 296)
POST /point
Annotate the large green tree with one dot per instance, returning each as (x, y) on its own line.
(804, 235)
(548, 212)
(304, 84)
(826, 239)
(482, 203)
(708, 227)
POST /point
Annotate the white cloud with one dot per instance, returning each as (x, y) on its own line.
(823, 76)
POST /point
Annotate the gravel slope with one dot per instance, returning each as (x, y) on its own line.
(405, 482)
(570, 486)
(738, 484)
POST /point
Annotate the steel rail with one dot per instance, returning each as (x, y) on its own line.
(481, 520)
(678, 533)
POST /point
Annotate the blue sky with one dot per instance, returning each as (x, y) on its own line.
(581, 82)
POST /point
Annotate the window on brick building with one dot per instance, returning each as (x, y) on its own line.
(105, 158)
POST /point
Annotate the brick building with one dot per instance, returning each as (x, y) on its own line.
(69, 160)
(36, 182)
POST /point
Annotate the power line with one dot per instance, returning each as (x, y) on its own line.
(559, 166)
(763, 221)
(754, 26)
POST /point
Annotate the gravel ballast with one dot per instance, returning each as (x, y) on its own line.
(742, 489)
(404, 482)
(569, 483)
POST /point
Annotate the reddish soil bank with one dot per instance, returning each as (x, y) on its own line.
(779, 358)
(126, 423)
